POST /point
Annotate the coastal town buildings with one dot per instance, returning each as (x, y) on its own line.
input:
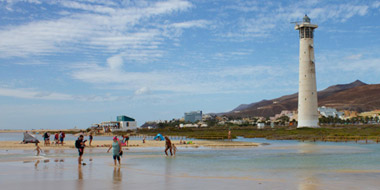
(287, 113)
(330, 112)
(194, 125)
(347, 114)
(122, 123)
(193, 116)
(374, 113)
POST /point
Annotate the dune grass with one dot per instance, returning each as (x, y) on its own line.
(325, 133)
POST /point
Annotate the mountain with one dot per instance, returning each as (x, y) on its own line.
(355, 96)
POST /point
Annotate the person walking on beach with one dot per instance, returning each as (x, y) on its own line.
(46, 139)
(90, 137)
(168, 146)
(62, 137)
(126, 139)
(79, 144)
(174, 149)
(229, 135)
(56, 138)
(116, 150)
(38, 149)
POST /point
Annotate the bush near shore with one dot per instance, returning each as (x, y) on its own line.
(325, 133)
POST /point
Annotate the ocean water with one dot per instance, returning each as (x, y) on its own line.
(280, 165)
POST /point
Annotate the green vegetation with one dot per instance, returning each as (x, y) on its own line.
(325, 133)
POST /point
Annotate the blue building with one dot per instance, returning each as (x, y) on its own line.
(193, 116)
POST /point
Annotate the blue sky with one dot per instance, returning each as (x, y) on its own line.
(74, 63)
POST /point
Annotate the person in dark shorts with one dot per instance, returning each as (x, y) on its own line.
(90, 137)
(168, 146)
(62, 137)
(46, 138)
(116, 149)
(79, 144)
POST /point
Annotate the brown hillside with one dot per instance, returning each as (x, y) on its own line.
(356, 96)
(362, 98)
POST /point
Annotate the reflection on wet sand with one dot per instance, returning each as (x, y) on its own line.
(80, 181)
(36, 164)
(117, 178)
(309, 183)
(308, 180)
(168, 171)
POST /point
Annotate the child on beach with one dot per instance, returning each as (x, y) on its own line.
(38, 149)
(126, 139)
(174, 149)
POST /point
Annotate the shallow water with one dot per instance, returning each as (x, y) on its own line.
(280, 165)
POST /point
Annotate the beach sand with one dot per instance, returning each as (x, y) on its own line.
(132, 143)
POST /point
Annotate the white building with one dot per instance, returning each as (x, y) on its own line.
(193, 116)
(122, 123)
(327, 112)
(188, 125)
(260, 125)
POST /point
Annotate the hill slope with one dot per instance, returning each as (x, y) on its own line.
(356, 96)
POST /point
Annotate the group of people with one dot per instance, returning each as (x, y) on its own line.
(116, 147)
(58, 138)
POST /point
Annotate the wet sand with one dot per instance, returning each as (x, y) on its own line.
(304, 166)
(156, 171)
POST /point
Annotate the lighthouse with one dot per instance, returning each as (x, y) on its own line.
(307, 93)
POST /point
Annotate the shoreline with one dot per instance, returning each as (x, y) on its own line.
(7, 145)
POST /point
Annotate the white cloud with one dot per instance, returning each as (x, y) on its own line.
(99, 27)
(268, 18)
(88, 7)
(195, 80)
(348, 65)
(354, 56)
(31, 94)
(376, 4)
(43, 95)
(192, 24)
(141, 91)
(115, 62)
(29, 63)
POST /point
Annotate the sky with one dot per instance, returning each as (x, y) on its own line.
(66, 64)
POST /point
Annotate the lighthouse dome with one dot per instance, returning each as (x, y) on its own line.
(306, 19)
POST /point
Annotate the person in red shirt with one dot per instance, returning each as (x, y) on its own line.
(62, 137)
(56, 138)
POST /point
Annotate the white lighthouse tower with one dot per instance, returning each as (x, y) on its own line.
(307, 94)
